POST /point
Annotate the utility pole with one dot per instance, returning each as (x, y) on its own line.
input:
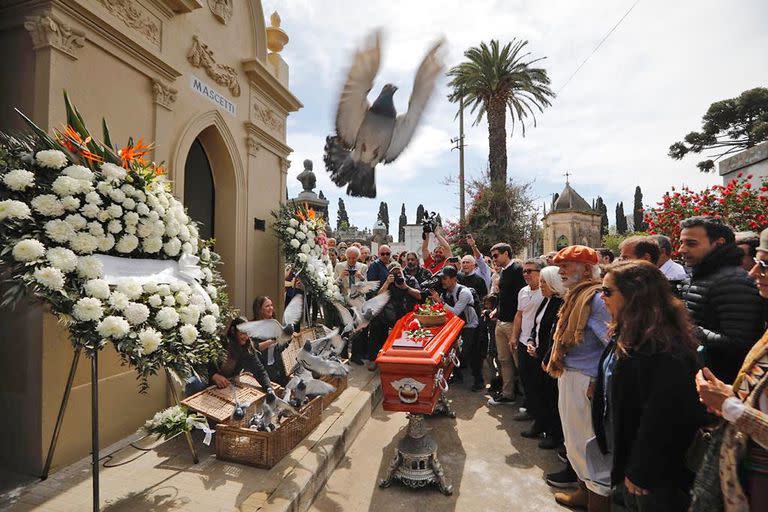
(459, 144)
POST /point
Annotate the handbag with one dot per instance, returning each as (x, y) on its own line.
(706, 494)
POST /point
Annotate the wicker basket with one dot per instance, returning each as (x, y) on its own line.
(218, 404)
(235, 443)
(431, 320)
(340, 383)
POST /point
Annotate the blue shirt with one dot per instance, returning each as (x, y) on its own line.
(377, 271)
(585, 357)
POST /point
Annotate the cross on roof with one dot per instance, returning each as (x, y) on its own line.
(567, 175)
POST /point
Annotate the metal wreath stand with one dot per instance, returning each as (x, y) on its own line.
(95, 420)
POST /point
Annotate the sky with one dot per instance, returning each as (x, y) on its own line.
(610, 127)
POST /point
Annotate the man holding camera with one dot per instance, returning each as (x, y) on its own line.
(350, 271)
(434, 261)
(379, 327)
(413, 269)
(458, 300)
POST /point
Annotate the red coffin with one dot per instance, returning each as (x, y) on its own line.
(413, 377)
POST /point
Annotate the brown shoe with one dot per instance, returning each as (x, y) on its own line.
(574, 499)
(597, 503)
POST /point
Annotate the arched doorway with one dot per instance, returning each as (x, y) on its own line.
(199, 190)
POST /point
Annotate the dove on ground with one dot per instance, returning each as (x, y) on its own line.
(369, 134)
(320, 365)
(271, 329)
(314, 387)
(263, 421)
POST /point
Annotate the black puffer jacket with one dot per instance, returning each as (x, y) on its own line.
(727, 309)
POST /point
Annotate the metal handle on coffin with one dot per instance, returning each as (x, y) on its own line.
(407, 400)
(440, 381)
(453, 356)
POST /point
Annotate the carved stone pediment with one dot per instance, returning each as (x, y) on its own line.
(200, 56)
(221, 10)
(164, 94)
(272, 122)
(47, 31)
(136, 17)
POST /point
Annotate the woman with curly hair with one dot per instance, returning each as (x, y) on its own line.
(645, 408)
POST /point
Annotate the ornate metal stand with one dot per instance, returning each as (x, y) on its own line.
(443, 408)
(415, 463)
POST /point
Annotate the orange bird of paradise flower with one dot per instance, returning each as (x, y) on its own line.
(72, 140)
(135, 153)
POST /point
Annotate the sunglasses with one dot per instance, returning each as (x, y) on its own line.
(763, 265)
(495, 255)
(530, 271)
(606, 291)
(385, 254)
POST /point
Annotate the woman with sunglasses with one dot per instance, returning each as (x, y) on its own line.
(644, 407)
(742, 460)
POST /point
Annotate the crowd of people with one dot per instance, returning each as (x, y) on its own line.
(647, 376)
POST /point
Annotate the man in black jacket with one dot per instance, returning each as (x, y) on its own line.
(722, 299)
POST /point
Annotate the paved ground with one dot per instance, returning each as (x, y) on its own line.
(490, 465)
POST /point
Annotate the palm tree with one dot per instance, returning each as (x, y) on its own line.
(492, 79)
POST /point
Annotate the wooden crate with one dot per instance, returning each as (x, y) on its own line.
(218, 404)
(340, 383)
(235, 443)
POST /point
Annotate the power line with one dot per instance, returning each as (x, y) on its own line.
(598, 45)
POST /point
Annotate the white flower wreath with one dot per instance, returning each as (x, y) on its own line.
(69, 202)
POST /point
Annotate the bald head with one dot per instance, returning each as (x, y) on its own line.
(385, 254)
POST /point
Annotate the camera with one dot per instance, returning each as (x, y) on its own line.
(399, 280)
(428, 224)
(433, 283)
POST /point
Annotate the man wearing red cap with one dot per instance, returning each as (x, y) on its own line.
(580, 338)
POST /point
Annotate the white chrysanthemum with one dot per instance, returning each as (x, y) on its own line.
(127, 244)
(98, 288)
(114, 226)
(149, 287)
(290, 231)
(303, 228)
(118, 300)
(48, 205)
(212, 291)
(190, 314)
(62, 259)
(115, 211)
(76, 220)
(78, 172)
(70, 203)
(300, 236)
(140, 196)
(90, 210)
(112, 172)
(93, 198)
(172, 228)
(193, 231)
(155, 301)
(136, 313)
(131, 230)
(19, 179)
(10, 209)
(150, 340)
(170, 301)
(304, 248)
(129, 189)
(89, 267)
(106, 243)
(59, 231)
(167, 318)
(293, 222)
(208, 324)
(65, 186)
(152, 245)
(131, 218)
(103, 216)
(184, 233)
(50, 277)
(95, 228)
(207, 274)
(172, 247)
(205, 254)
(51, 158)
(182, 299)
(28, 250)
(88, 309)
(142, 209)
(113, 327)
(163, 290)
(158, 228)
(302, 258)
(129, 204)
(84, 243)
(198, 300)
(215, 310)
(188, 334)
(130, 287)
(186, 248)
(144, 229)
(180, 286)
(117, 195)
(295, 243)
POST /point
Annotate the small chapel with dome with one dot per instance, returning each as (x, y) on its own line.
(570, 221)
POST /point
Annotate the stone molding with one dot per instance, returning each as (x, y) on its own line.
(252, 144)
(744, 158)
(135, 17)
(164, 94)
(265, 82)
(48, 31)
(200, 56)
(181, 6)
(273, 121)
(221, 10)
(266, 140)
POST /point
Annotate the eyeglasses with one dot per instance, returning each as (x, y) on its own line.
(606, 291)
(763, 265)
(495, 255)
(530, 271)
(385, 254)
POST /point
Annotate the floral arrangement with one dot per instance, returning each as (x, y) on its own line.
(174, 421)
(416, 333)
(741, 205)
(67, 203)
(302, 235)
(428, 308)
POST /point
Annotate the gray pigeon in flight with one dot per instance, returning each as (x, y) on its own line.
(368, 134)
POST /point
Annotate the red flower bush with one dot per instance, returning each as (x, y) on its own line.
(739, 204)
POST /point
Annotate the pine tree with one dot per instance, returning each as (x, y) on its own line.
(419, 214)
(342, 219)
(621, 219)
(401, 225)
(638, 215)
(603, 211)
(383, 214)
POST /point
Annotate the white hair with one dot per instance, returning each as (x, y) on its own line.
(353, 250)
(469, 258)
(551, 276)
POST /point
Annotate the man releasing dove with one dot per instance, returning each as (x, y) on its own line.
(369, 134)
